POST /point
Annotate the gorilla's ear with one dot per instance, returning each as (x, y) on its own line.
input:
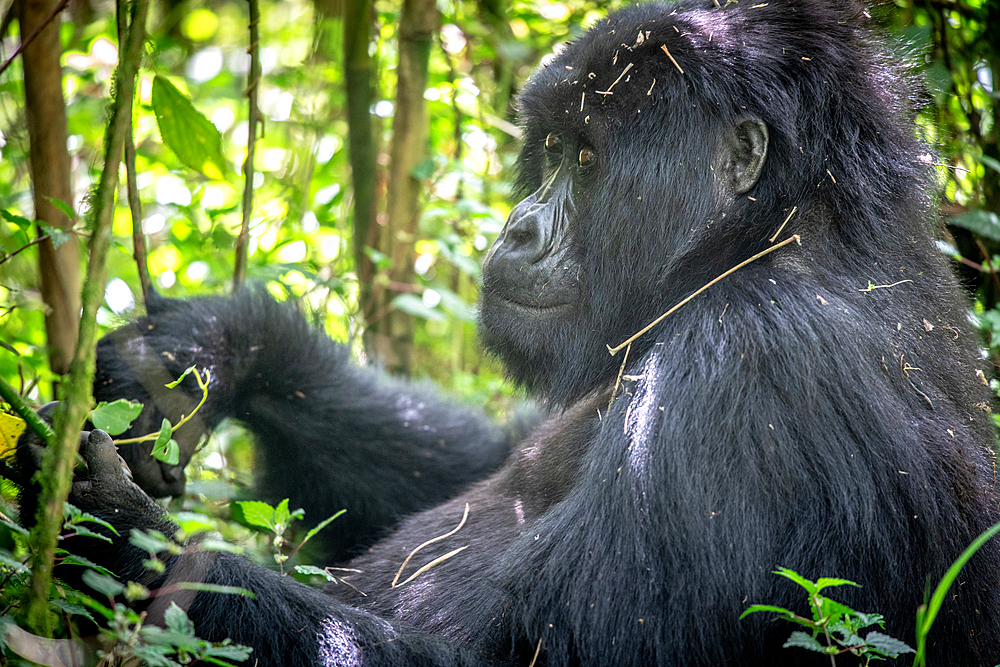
(743, 149)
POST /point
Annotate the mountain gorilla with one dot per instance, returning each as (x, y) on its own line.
(818, 409)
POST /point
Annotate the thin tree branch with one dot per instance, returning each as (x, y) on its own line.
(253, 86)
(34, 33)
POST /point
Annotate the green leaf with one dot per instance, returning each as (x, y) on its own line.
(804, 640)
(154, 542)
(424, 170)
(313, 571)
(414, 305)
(281, 514)
(253, 513)
(56, 235)
(189, 134)
(177, 621)
(166, 448)
(62, 206)
(797, 578)
(102, 583)
(22, 223)
(73, 559)
(322, 524)
(115, 417)
(886, 645)
(766, 607)
(826, 582)
(984, 223)
(71, 609)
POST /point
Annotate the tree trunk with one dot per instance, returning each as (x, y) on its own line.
(50, 177)
(361, 142)
(390, 331)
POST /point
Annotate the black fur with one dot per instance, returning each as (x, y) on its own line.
(819, 409)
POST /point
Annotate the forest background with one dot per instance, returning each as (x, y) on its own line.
(381, 159)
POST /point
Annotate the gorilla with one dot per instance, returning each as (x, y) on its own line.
(819, 408)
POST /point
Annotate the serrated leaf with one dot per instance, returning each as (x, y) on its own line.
(115, 417)
(313, 571)
(186, 131)
(984, 223)
(804, 640)
(886, 645)
(826, 582)
(102, 583)
(57, 235)
(253, 513)
(797, 578)
(152, 542)
(177, 621)
(83, 531)
(72, 609)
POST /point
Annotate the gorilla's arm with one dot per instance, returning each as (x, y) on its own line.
(330, 435)
(286, 623)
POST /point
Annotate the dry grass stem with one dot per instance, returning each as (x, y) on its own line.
(874, 287)
(608, 91)
(618, 381)
(436, 561)
(534, 658)
(615, 350)
(428, 543)
(794, 209)
(664, 47)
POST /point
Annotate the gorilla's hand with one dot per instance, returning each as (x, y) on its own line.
(102, 483)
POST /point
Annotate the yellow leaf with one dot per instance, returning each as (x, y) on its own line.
(11, 428)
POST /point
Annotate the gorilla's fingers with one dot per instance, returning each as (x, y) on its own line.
(101, 456)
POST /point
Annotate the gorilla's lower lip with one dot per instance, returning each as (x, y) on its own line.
(533, 307)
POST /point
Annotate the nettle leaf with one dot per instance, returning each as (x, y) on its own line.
(115, 417)
(253, 513)
(56, 235)
(177, 621)
(313, 571)
(886, 645)
(189, 134)
(806, 641)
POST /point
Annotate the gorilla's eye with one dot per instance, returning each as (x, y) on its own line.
(587, 155)
(553, 142)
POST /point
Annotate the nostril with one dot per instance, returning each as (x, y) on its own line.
(522, 235)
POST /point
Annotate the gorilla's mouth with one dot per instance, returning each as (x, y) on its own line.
(521, 304)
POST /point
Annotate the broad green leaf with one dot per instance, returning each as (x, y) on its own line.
(797, 578)
(825, 582)
(189, 134)
(102, 583)
(281, 514)
(215, 588)
(177, 621)
(253, 513)
(73, 559)
(153, 542)
(984, 223)
(115, 417)
(766, 607)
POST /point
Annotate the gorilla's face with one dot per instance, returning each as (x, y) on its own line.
(623, 173)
